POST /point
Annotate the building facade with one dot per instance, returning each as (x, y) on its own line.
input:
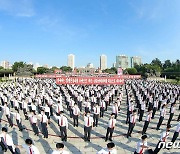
(103, 62)
(136, 61)
(5, 64)
(122, 61)
(71, 61)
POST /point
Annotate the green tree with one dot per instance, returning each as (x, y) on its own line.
(17, 65)
(131, 71)
(167, 64)
(66, 69)
(1, 68)
(42, 70)
(156, 61)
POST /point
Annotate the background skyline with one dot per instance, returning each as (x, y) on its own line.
(47, 31)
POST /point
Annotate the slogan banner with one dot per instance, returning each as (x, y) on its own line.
(105, 76)
(90, 80)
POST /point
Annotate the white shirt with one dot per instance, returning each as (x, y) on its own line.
(33, 119)
(139, 148)
(96, 110)
(43, 118)
(133, 118)
(76, 110)
(7, 139)
(163, 112)
(102, 103)
(148, 117)
(17, 116)
(164, 134)
(59, 107)
(178, 128)
(173, 109)
(32, 147)
(115, 109)
(60, 152)
(62, 120)
(86, 121)
(112, 123)
(106, 151)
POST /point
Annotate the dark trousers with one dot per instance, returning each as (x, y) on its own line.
(35, 129)
(5, 147)
(75, 118)
(157, 149)
(106, 102)
(176, 134)
(96, 117)
(19, 125)
(131, 127)
(128, 116)
(154, 111)
(25, 114)
(160, 122)
(10, 121)
(109, 131)
(44, 129)
(80, 105)
(145, 127)
(63, 131)
(170, 117)
(101, 111)
(87, 133)
(141, 115)
(71, 112)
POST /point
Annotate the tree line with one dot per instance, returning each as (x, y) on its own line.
(156, 68)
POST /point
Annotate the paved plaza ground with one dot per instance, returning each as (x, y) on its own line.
(75, 143)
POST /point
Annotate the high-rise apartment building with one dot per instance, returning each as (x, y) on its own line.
(71, 61)
(103, 62)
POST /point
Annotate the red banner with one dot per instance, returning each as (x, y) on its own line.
(90, 80)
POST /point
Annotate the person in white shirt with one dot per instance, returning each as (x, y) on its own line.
(109, 150)
(111, 126)
(141, 145)
(87, 106)
(162, 115)
(102, 108)
(115, 109)
(7, 113)
(44, 123)
(60, 149)
(163, 138)
(132, 122)
(76, 113)
(33, 121)
(25, 108)
(88, 124)
(147, 121)
(96, 112)
(18, 120)
(29, 147)
(172, 110)
(6, 141)
(63, 124)
(176, 133)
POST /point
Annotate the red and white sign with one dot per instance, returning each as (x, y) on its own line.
(119, 71)
(90, 80)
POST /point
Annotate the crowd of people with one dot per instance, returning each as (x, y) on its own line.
(38, 100)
